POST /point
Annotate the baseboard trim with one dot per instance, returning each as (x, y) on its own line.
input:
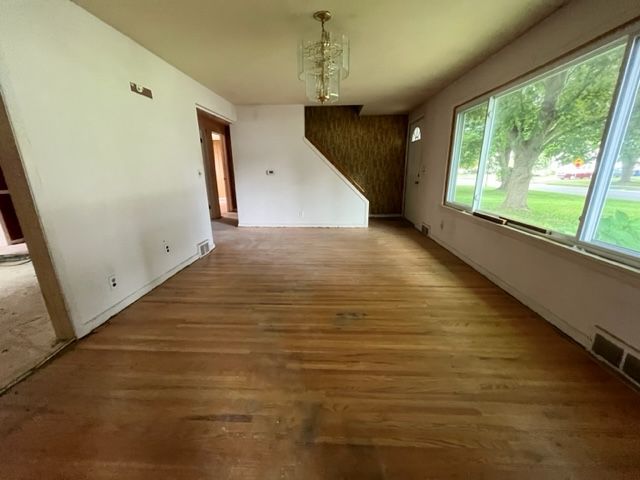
(91, 324)
(582, 338)
(295, 225)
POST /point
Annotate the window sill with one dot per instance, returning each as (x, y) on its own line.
(606, 266)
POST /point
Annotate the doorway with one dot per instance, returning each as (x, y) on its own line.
(27, 336)
(414, 174)
(215, 138)
(34, 321)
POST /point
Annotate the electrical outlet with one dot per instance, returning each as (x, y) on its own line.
(301, 213)
(113, 282)
(167, 248)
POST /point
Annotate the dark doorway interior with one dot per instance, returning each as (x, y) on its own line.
(10, 231)
(218, 162)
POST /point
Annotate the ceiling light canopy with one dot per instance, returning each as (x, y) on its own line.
(323, 63)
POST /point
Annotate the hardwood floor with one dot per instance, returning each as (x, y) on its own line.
(323, 354)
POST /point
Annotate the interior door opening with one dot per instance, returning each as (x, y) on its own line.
(221, 171)
(27, 336)
(215, 138)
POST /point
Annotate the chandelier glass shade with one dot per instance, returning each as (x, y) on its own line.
(323, 63)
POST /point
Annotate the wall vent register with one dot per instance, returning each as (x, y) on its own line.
(617, 353)
(203, 248)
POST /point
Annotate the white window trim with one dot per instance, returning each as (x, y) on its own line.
(484, 154)
(454, 157)
(614, 134)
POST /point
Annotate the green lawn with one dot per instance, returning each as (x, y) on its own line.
(561, 213)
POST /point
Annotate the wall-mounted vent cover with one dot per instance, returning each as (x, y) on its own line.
(608, 350)
(613, 350)
(425, 229)
(203, 248)
(632, 367)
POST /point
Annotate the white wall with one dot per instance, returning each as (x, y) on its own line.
(572, 290)
(113, 174)
(305, 190)
(3, 238)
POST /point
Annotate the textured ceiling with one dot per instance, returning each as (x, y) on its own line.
(402, 51)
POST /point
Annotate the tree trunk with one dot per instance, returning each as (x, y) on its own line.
(505, 179)
(519, 179)
(527, 151)
(627, 169)
(504, 172)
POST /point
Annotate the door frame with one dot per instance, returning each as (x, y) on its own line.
(208, 124)
(419, 119)
(35, 237)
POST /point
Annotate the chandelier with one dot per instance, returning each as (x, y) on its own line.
(323, 63)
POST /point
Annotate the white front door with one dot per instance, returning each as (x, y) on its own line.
(414, 175)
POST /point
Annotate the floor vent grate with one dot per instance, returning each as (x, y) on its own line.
(608, 350)
(619, 354)
(203, 248)
(632, 367)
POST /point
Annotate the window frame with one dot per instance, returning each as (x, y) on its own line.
(412, 134)
(613, 137)
(584, 239)
(458, 126)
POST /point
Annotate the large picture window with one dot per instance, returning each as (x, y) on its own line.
(559, 153)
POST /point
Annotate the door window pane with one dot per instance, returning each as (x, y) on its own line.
(545, 140)
(619, 223)
(416, 134)
(467, 153)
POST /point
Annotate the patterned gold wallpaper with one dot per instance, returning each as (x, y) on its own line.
(368, 149)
